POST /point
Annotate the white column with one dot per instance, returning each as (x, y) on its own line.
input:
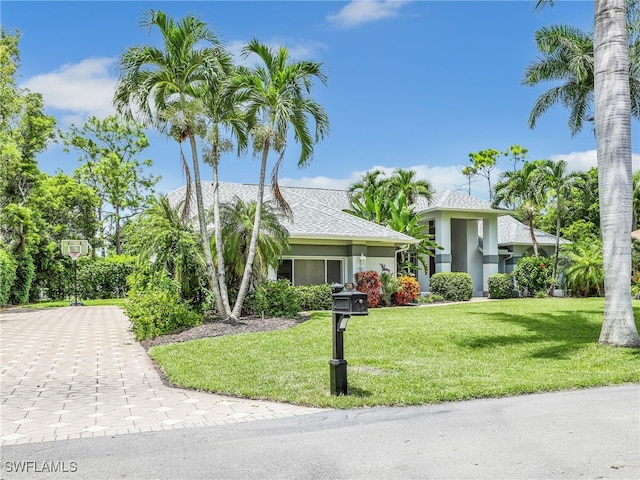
(443, 239)
(490, 250)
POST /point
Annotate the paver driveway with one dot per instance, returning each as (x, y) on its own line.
(77, 372)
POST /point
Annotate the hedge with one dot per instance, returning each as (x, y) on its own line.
(104, 277)
(501, 285)
(7, 275)
(452, 286)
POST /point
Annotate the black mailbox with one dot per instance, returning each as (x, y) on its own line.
(349, 301)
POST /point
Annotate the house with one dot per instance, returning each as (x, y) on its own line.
(329, 245)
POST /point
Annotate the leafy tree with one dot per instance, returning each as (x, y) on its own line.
(516, 155)
(276, 96)
(167, 88)
(522, 189)
(484, 162)
(469, 172)
(109, 149)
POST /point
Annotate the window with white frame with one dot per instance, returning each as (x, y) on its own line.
(302, 271)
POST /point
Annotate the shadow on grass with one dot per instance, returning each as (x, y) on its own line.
(359, 392)
(562, 332)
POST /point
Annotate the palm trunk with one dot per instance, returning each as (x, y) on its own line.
(613, 138)
(217, 229)
(534, 240)
(556, 254)
(248, 268)
(202, 223)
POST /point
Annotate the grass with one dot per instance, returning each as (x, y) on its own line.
(118, 302)
(414, 355)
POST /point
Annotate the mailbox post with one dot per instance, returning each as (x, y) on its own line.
(346, 302)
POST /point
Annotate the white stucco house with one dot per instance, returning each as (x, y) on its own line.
(329, 245)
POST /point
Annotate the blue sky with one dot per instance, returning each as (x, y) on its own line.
(412, 84)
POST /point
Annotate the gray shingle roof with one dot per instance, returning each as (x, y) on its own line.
(513, 232)
(317, 213)
(454, 200)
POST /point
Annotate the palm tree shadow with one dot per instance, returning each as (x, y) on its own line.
(558, 334)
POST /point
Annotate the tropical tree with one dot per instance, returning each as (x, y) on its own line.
(583, 267)
(165, 243)
(559, 185)
(164, 88)
(237, 221)
(405, 181)
(516, 155)
(613, 109)
(568, 57)
(522, 190)
(276, 96)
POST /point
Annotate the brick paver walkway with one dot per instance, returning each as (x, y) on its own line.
(77, 372)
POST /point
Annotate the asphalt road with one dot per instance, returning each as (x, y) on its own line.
(579, 434)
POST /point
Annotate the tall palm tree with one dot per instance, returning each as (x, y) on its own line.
(276, 96)
(164, 88)
(522, 190)
(371, 181)
(568, 57)
(614, 106)
(237, 227)
(224, 116)
(613, 137)
(405, 181)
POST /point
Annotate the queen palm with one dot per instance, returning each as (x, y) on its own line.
(522, 190)
(275, 96)
(613, 80)
(164, 88)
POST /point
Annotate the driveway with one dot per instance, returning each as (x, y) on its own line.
(76, 372)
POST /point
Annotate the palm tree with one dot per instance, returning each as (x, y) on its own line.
(405, 181)
(559, 185)
(276, 96)
(616, 95)
(568, 57)
(237, 220)
(165, 87)
(583, 271)
(162, 240)
(522, 190)
(371, 181)
(223, 115)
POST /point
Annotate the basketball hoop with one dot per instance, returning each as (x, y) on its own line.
(74, 255)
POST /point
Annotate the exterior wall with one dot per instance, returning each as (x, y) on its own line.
(474, 257)
(490, 258)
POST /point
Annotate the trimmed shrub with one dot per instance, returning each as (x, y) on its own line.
(452, 286)
(369, 282)
(533, 275)
(409, 290)
(274, 299)
(7, 275)
(501, 285)
(159, 310)
(104, 277)
(314, 297)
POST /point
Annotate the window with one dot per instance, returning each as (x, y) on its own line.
(301, 271)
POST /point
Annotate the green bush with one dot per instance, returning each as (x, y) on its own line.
(452, 286)
(25, 272)
(159, 310)
(533, 275)
(104, 277)
(500, 285)
(7, 275)
(430, 298)
(314, 297)
(390, 286)
(273, 299)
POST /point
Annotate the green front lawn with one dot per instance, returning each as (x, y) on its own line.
(414, 355)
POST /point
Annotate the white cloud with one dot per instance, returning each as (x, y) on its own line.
(79, 90)
(359, 12)
(583, 161)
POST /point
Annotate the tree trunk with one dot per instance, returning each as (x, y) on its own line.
(118, 228)
(556, 254)
(613, 138)
(217, 229)
(202, 224)
(248, 268)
